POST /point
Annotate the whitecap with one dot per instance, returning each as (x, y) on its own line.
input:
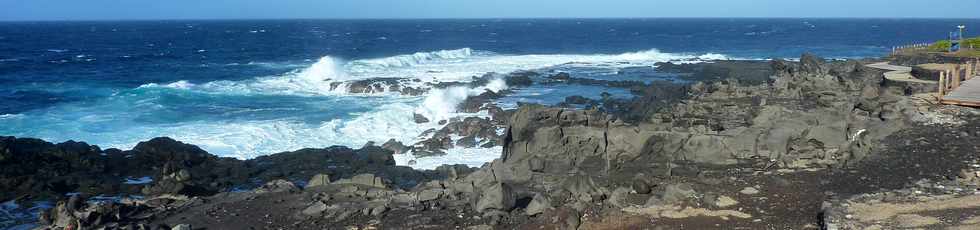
(413, 59)
(181, 84)
(10, 116)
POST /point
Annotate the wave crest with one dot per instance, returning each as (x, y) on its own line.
(181, 84)
(419, 58)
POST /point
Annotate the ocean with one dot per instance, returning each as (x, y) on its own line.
(246, 88)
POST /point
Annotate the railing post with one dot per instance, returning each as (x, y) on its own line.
(969, 70)
(942, 86)
(956, 76)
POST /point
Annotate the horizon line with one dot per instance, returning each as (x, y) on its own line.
(461, 18)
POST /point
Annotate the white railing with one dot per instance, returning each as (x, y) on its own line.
(910, 47)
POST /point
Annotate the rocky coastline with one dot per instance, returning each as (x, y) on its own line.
(808, 144)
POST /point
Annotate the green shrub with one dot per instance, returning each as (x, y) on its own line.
(940, 46)
(971, 42)
(943, 45)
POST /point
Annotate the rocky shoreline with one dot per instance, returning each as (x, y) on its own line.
(813, 144)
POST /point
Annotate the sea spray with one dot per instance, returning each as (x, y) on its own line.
(326, 69)
(441, 104)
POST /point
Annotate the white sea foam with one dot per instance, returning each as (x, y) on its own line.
(182, 84)
(441, 104)
(473, 157)
(10, 116)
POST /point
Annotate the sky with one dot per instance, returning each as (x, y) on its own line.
(32, 10)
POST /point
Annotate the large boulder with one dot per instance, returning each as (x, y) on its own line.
(366, 179)
(499, 197)
(318, 180)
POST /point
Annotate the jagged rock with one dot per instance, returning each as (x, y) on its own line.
(536, 164)
(676, 193)
(578, 100)
(498, 196)
(375, 209)
(404, 198)
(315, 209)
(395, 146)
(377, 155)
(430, 194)
(641, 186)
(811, 63)
(277, 186)
(318, 180)
(420, 119)
(520, 79)
(619, 197)
(182, 227)
(366, 179)
(539, 204)
(582, 188)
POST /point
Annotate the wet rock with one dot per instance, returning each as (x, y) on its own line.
(420, 119)
(395, 147)
(377, 155)
(520, 79)
(578, 100)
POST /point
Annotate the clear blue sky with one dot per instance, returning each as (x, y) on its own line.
(262, 9)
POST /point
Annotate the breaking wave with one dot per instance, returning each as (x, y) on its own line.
(414, 59)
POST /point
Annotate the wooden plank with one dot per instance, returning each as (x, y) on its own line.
(963, 103)
(967, 94)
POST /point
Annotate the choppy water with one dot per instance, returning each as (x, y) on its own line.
(249, 88)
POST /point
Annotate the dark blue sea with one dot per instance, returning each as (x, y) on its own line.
(253, 87)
